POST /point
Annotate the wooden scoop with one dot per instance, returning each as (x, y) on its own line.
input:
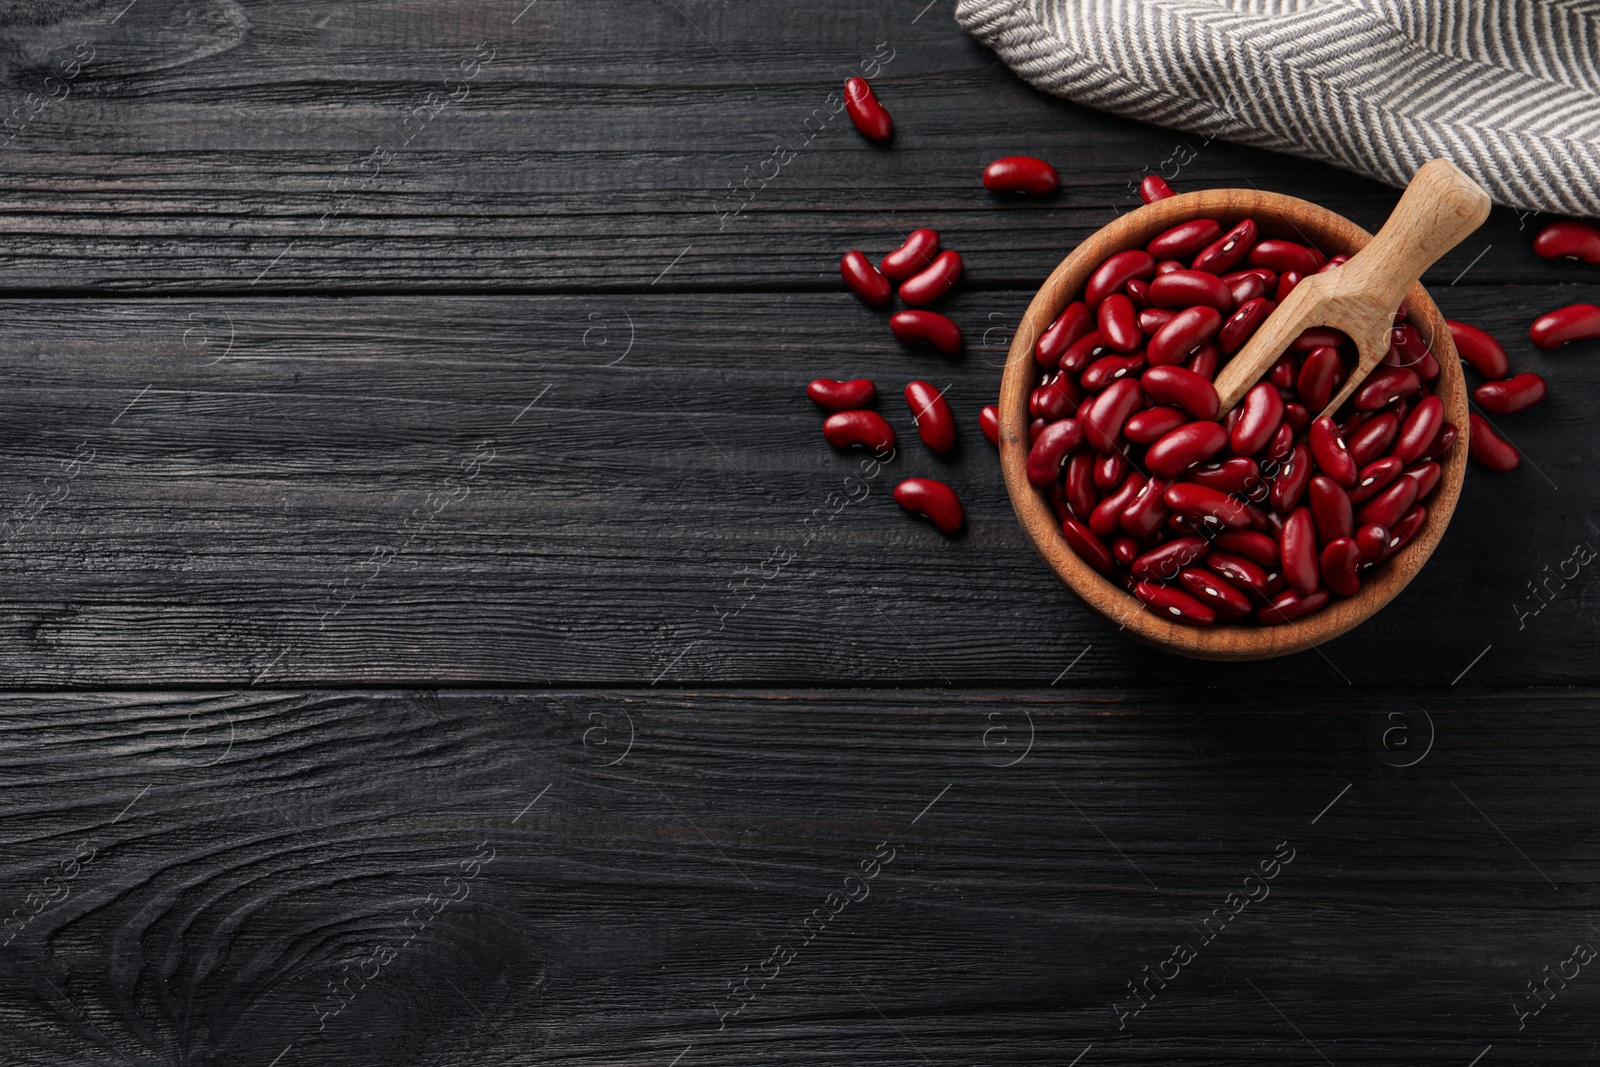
(1438, 210)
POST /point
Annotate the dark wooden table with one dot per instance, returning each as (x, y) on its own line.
(436, 632)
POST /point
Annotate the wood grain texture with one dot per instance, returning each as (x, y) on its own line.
(243, 848)
(220, 146)
(667, 517)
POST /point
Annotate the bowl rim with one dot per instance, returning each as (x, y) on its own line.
(1277, 215)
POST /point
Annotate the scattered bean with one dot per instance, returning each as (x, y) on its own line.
(866, 281)
(930, 327)
(1153, 189)
(1021, 174)
(1517, 393)
(989, 423)
(915, 253)
(935, 423)
(933, 500)
(1480, 351)
(870, 117)
(1569, 240)
(866, 429)
(1575, 322)
(842, 396)
(932, 283)
(1488, 448)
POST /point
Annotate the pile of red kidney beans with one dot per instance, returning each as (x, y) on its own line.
(1266, 514)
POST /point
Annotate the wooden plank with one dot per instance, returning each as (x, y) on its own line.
(358, 491)
(266, 147)
(218, 860)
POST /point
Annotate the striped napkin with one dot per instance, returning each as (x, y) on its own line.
(1509, 90)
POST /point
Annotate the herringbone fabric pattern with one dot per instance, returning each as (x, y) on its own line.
(1507, 89)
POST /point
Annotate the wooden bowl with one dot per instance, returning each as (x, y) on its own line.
(1276, 216)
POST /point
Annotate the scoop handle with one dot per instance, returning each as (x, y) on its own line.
(1438, 210)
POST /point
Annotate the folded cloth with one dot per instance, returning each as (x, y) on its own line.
(1509, 90)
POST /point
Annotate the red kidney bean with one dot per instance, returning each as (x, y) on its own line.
(1204, 361)
(834, 395)
(1250, 544)
(1138, 291)
(1298, 544)
(1286, 283)
(1488, 448)
(1148, 510)
(1386, 508)
(1119, 323)
(1184, 447)
(1081, 492)
(1384, 386)
(989, 423)
(1289, 605)
(935, 423)
(1315, 381)
(928, 326)
(1426, 475)
(867, 429)
(1292, 479)
(1050, 451)
(1568, 240)
(1329, 450)
(1330, 508)
(1089, 548)
(1441, 444)
(1372, 541)
(1115, 272)
(1183, 388)
(1107, 369)
(1239, 570)
(870, 117)
(863, 278)
(1070, 326)
(1184, 239)
(1150, 425)
(1371, 439)
(1057, 398)
(1021, 174)
(1575, 322)
(1375, 477)
(1245, 286)
(1514, 394)
(1233, 475)
(1337, 566)
(1428, 367)
(1244, 322)
(915, 253)
(1225, 253)
(1153, 189)
(1420, 429)
(1162, 563)
(1408, 346)
(1280, 446)
(1479, 350)
(1106, 518)
(1283, 256)
(1152, 319)
(1109, 469)
(1183, 335)
(1125, 550)
(1167, 266)
(1035, 428)
(1166, 601)
(1318, 337)
(1295, 415)
(933, 500)
(1103, 417)
(1187, 288)
(1084, 351)
(1203, 506)
(1406, 528)
(1282, 373)
(1260, 415)
(1214, 592)
(931, 284)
